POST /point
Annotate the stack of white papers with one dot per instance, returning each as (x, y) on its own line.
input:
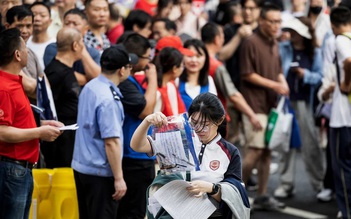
(180, 203)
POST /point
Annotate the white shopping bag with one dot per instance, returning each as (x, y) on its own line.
(279, 127)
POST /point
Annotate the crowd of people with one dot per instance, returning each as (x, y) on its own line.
(116, 68)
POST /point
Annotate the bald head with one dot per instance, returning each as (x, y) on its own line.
(66, 37)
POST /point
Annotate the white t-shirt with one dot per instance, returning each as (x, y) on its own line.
(329, 50)
(194, 91)
(341, 107)
(322, 26)
(39, 49)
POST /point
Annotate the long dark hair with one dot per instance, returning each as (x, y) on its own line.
(167, 58)
(310, 44)
(201, 49)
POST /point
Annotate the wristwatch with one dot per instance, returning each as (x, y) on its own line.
(215, 189)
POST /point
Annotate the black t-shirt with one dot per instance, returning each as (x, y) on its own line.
(65, 89)
(133, 99)
(232, 64)
(2, 27)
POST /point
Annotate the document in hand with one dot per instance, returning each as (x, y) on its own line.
(181, 204)
(173, 145)
(69, 127)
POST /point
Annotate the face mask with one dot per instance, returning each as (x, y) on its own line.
(315, 9)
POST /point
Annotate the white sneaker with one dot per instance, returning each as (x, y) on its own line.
(273, 168)
(325, 195)
(339, 215)
(282, 192)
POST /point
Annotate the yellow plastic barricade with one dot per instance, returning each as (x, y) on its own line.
(41, 204)
(63, 194)
(54, 194)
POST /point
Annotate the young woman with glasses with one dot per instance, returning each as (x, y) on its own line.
(219, 160)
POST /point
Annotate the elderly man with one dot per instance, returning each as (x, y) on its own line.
(65, 90)
(88, 67)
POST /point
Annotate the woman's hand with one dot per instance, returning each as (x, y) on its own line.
(199, 187)
(157, 119)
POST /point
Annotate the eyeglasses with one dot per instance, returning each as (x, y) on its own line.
(145, 57)
(200, 127)
(274, 22)
(249, 8)
(129, 66)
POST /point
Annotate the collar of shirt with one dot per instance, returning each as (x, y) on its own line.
(108, 81)
(270, 41)
(12, 77)
(210, 144)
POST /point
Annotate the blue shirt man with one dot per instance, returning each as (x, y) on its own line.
(98, 149)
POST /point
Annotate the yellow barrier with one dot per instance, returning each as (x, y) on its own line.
(54, 195)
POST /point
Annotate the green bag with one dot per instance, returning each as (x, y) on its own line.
(272, 120)
(279, 127)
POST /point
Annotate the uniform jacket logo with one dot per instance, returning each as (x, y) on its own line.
(214, 165)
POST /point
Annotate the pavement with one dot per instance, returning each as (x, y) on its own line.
(303, 204)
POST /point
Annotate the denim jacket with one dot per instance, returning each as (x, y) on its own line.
(312, 76)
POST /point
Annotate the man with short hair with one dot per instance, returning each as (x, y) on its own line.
(5, 5)
(163, 27)
(262, 82)
(65, 90)
(139, 22)
(97, 159)
(98, 15)
(40, 38)
(57, 15)
(213, 37)
(19, 145)
(138, 102)
(87, 67)
(21, 18)
(239, 28)
(340, 119)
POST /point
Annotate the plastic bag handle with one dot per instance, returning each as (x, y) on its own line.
(281, 104)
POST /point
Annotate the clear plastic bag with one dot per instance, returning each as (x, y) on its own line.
(173, 145)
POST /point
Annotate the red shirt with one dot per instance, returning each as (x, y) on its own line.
(15, 111)
(115, 33)
(167, 109)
